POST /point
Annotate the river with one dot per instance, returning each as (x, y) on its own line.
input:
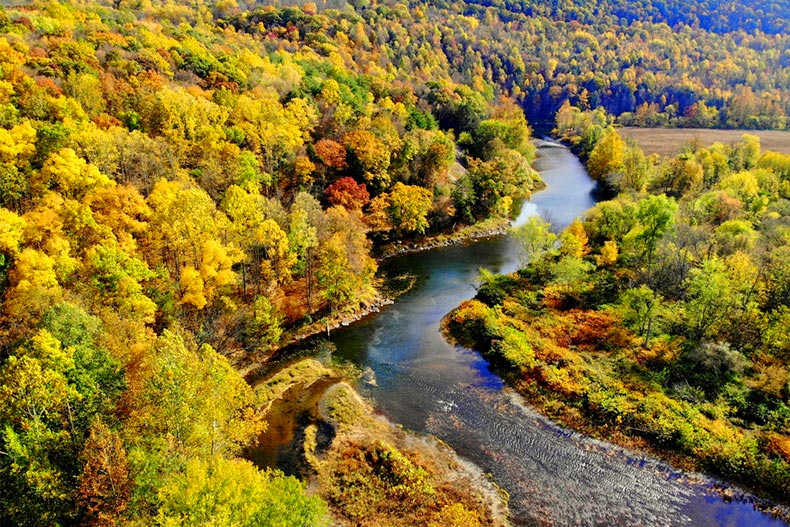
(554, 476)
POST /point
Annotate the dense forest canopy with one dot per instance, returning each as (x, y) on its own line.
(182, 187)
(718, 16)
(706, 64)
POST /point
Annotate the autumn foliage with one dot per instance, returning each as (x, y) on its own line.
(186, 187)
(348, 194)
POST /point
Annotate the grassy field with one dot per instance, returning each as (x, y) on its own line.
(670, 141)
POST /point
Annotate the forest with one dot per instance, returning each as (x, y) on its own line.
(717, 64)
(186, 187)
(659, 319)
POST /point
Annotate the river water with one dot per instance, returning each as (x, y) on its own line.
(555, 477)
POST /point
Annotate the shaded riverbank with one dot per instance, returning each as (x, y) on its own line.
(252, 368)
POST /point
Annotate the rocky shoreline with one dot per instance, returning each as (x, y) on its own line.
(463, 235)
(329, 325)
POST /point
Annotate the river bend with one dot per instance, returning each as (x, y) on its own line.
(555, 477)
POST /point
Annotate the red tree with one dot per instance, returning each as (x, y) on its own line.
(348, 193)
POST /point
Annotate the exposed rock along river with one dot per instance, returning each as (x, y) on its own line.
(554, 476)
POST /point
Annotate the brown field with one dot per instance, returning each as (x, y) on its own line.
(669, 141)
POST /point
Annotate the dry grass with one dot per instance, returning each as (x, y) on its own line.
(670, 141)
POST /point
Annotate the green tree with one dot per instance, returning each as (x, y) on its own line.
(710, 298)
(570, 275)
(307, 225)
(191, 402)
(265, 326)
(117, 278)
(227, 493)
(36, 440)
(656, 215)
(536, 240)
(642, 308)
(50, 389)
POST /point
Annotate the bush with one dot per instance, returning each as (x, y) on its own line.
(475, 324)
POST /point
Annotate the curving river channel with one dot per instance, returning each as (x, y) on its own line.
(554, 476)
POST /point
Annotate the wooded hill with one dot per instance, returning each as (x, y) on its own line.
(649, 63)
(176, 192)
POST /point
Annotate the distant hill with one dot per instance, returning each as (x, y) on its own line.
(714, 64)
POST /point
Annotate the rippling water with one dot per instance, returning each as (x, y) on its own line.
(555, 477)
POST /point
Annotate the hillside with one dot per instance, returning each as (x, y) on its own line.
(716, 64)
(177, 197)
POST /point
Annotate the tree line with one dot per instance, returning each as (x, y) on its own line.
(718, 64)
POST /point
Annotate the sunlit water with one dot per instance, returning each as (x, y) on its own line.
(554, 476)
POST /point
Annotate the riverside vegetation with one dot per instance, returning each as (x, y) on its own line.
(659, 319)
(184, 186)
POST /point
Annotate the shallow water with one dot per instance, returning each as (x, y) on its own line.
(555, 477)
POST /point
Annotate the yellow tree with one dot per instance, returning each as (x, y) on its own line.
(191, 237)
(121, 208)
(234, 493)
(369, 157)
(70, 174)
(11, 228)
(17, 146)
(183, 219)
(608, 155)
(34, 287)
(378, 218)
(574, 241)
(345, 269)
(244, 208)
(216, 267)
(273, 132)
(273, 252)
(409, 206)
(189, 401)
(184, 118)
(46, 230)
(117, 278)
